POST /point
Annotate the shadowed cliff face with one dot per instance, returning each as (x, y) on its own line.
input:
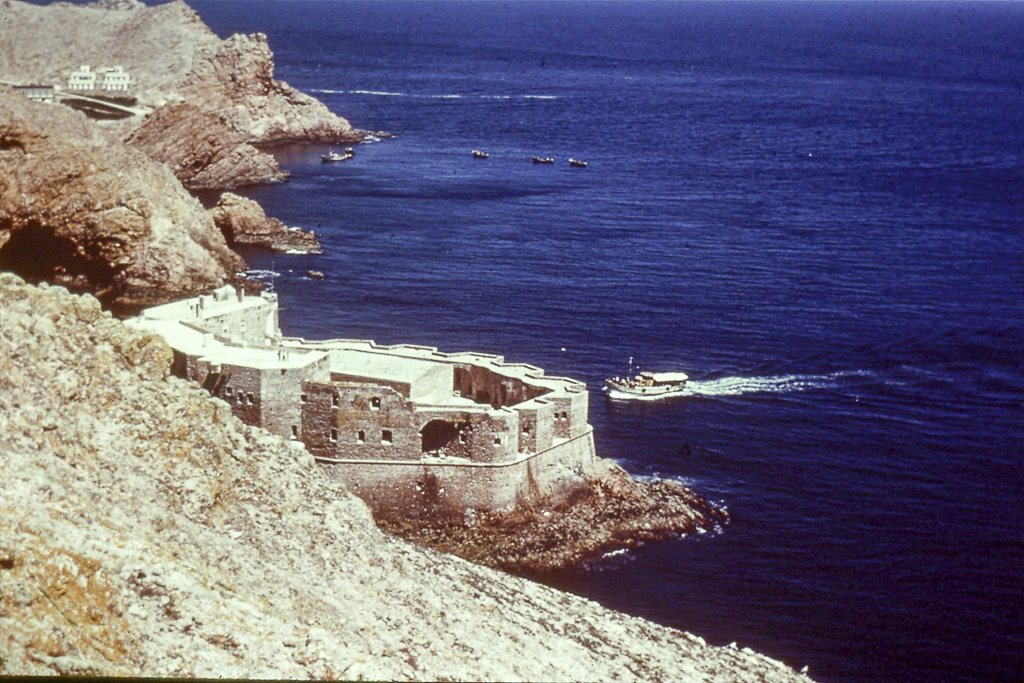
(80, 209)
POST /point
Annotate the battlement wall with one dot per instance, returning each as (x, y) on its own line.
(401, 420)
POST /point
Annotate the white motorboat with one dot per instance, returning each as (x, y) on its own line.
(646, 385)
(334, 156)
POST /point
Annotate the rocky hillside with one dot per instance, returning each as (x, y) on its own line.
(149, 532)
(84, 210)
(243, 222)
(214, 101)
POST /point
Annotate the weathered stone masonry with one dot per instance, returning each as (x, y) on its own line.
(408, 428)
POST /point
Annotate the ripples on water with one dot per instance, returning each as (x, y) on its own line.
(814, 209)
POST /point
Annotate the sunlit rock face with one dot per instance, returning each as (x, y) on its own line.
(212, 102)
(149, 532)
(79, 208)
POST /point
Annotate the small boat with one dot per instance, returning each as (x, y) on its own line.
(577, 163)
(646, 385)
(315, 274)
(477, 154)
(334, 156)
(543, 160)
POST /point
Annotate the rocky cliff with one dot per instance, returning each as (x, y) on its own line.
(81, 209)
(243, 222)
(149, 532)
(214, 102)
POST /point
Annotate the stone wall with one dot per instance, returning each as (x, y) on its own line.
(483, 385)
(281, 389)
(415, 488)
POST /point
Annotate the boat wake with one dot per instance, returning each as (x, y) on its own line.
(739, 386)
(441, 96)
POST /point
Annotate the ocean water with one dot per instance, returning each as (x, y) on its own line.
(815, 209)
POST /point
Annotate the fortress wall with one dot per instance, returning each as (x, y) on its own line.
(570, 413)
(319, 423)
(545, 432)
(483, 385)
(281, 391)
(243, 390)
(412, 489)
(434, 384)
(373, 421)
(455, 433)
(248, 324)
(403, 388)
(536, 425)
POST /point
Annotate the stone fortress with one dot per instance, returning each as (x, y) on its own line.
(409, 429)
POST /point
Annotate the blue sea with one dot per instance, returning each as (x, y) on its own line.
(816, 209)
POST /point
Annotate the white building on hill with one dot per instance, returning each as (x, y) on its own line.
(83, 79)
(111, 78)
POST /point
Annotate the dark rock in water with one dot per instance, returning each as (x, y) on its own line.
(243, 222)
(612, 512)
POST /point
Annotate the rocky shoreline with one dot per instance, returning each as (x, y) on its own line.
(613, 511)
(150, 532)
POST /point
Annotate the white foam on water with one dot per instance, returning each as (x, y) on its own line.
(780, 384)
(379, 93)
(540, 97)
(261, 274)
(738, 386)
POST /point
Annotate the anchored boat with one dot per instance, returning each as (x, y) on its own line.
(334, 156)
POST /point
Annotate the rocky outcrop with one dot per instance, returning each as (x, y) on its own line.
(611, 511)
(230, 104)
(148, 532)
(81, 209)
(214, 102)
(243, 222)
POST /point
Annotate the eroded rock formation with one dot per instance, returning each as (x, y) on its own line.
(214, 102)
(148, 532)
(243, 221)
(231, 103)
(81, 209)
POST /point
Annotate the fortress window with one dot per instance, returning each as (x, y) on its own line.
(497, 440)
(360, 436)
(375, 403)
(526, 428)
(385, 436)
(336, 400)
(334, 435)
(305, 398)
(228, 391)
(295, 432)
(283, 371)
(462, 437)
